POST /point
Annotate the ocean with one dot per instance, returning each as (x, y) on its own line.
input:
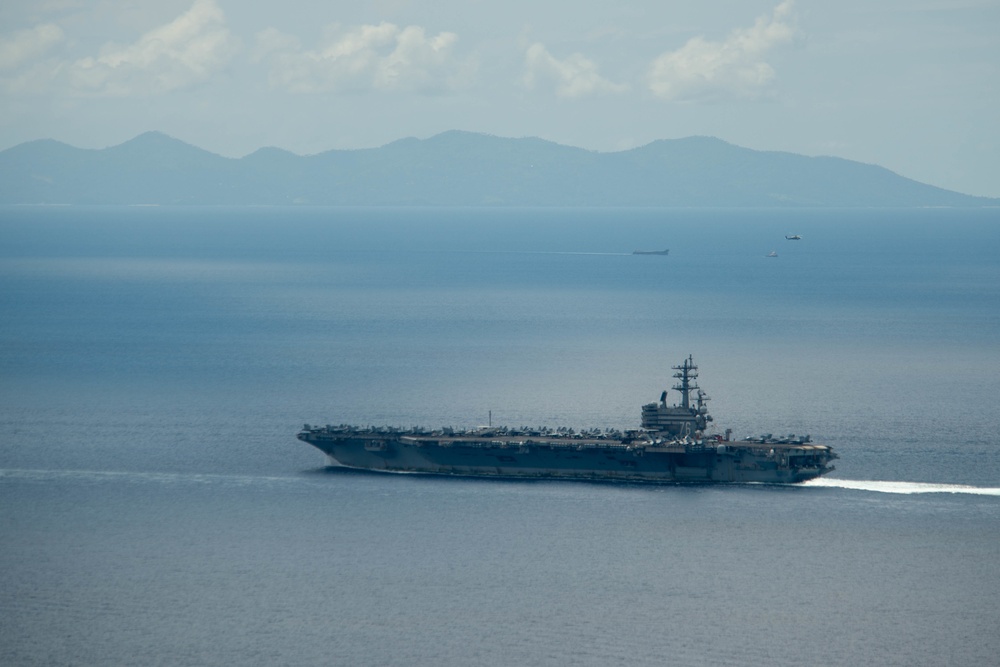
(156, 364)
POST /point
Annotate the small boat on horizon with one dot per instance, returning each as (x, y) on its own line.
(793, 237)
(773, 253)
(652, 252)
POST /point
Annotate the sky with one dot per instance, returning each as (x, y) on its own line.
(910, 85)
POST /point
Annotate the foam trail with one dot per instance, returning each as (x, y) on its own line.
(138, 477)
(902, 487)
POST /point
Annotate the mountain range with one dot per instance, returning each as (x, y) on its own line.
(456, 169)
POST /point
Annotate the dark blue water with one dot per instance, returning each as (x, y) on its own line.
(155, 507)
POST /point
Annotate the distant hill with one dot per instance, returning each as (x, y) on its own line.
(456, 169)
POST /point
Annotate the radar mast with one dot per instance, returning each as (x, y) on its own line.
(687, 374)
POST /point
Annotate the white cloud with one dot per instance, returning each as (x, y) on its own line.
(703, 69)
(369, 57)
(25, 46)
(575, 76)
(271, 41)
(186, 51)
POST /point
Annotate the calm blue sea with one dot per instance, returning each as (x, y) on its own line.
(156, 508)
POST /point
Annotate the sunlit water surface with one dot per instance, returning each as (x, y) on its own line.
(156, 509)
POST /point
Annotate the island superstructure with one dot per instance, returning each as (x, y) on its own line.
(672, 445)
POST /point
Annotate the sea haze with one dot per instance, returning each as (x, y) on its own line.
(156, 364)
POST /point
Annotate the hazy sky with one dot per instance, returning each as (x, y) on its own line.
(912, 85)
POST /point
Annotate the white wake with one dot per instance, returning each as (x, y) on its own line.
(902, 487)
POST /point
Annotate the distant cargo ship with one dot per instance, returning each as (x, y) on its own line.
(652, 252)
(671, 446)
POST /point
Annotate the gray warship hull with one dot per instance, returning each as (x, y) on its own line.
(672, 446)
(502, 455)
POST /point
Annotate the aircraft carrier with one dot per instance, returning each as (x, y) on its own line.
(671, 446)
